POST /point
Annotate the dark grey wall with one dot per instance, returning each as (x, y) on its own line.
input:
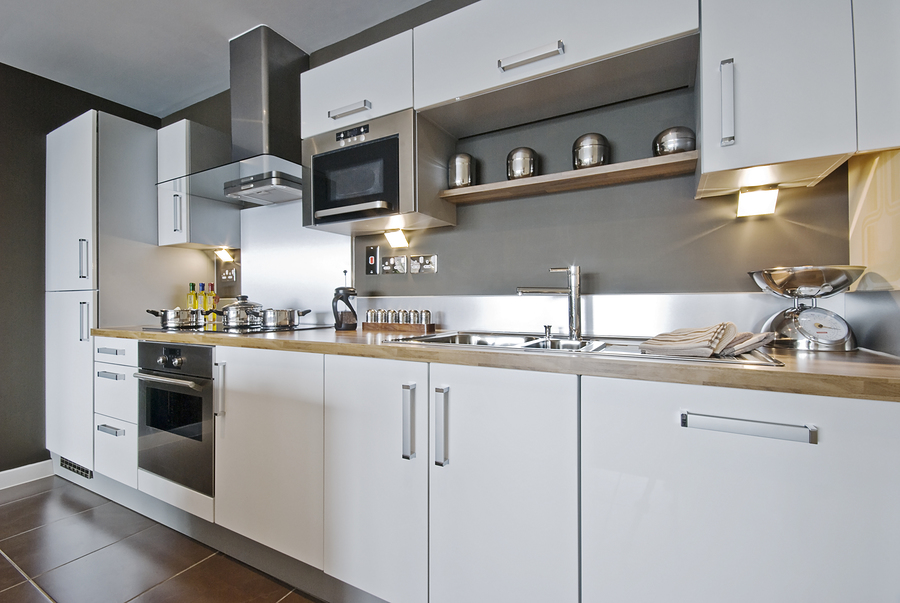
(30, 107)
(650, 237)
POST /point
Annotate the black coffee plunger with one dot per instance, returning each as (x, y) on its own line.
(344, 320)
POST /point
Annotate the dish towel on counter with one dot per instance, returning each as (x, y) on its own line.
(692, 342)
(745, 342)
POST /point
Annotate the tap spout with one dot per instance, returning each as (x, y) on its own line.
(573, 291)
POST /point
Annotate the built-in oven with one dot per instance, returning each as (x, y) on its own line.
(378, 175)
(175, 414)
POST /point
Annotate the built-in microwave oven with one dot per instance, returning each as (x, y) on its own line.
(378, 175)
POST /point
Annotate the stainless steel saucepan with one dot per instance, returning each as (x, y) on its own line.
(242, 313)
(281, 318)
(176, 319)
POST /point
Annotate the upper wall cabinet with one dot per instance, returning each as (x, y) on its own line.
(366, 84)
(875, 24)
(777, 93)
(186, 147)
(493, 44)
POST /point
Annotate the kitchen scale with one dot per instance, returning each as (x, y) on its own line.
(805, 326)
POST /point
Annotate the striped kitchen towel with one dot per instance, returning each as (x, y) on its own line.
(703, 342)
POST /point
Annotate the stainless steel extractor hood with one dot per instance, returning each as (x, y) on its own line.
(265, 116)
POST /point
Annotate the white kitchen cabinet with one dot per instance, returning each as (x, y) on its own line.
(504, 485)
(369, 83)
(875, 26)
(69, 385)
(457, 54)
(777, 86)
(113, 350)
(116, 409)
(115, 449)
(269, 449)
(696, 515)
(376, 484)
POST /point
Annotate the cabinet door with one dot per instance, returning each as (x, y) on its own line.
(116, 391)
(269, 449)
(376, 499)
(69, 383)
(333, 95)
(504, 486)
(695, 515)
(875, 26)
(172, 151)
(457, 55)
(173, 217)
(793, 82)
(115, 449)
(71, 222)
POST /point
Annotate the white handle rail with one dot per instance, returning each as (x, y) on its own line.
(219, 390)
(807, 434)
(409, 421)
(84, 321)
(727, 69)
(84, 261)
(111, 375)
(113, 431)
(178, 226)
(350, 109)
(530, 56)
(441, 426)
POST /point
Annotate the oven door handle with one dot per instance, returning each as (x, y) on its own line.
(169, 381)
(349, 209)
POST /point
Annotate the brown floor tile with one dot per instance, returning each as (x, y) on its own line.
(30, 489)
(218, 579)
(39, 510)
(296, 597)
(125, 569)
(23, 593)
(52, 545)
(9, 575)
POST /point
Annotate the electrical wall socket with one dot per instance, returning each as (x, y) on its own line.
(393, 264)
(423, 264)
(372, 262)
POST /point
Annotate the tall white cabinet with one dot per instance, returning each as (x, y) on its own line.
(875, 26)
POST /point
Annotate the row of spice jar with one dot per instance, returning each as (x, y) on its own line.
(404, 317)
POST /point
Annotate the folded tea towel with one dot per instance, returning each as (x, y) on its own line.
(702, 342)
(746, 342)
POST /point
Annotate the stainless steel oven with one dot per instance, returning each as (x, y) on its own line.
(175, 414)
(378, 175)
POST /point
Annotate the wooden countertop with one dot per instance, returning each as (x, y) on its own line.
(863, 374)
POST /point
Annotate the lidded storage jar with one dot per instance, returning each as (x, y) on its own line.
(590, 150)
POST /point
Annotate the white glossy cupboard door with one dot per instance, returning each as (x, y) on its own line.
(173, 217)
(504, 485)
(376, 499)
(457, 54)
(269, 449)
(700, 516)
(793, 92)
(115, 449)
(71, 218)
(68, 376)
(366, 84)
(875, 25)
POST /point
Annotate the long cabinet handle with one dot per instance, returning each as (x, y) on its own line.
(409, 421)
(441, 426)
(727, 69)
(350, 109)
(219, 390)
(349, 209)
(530, 56)
(84, 321)
(111, 351)
(176, 207)
(83, 258)
(114, 431)
(807, 434)
(111, 375)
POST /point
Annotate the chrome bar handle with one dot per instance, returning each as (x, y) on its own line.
(168, 381)
(219, 390)
(409, 421)
(111, 351)
(111, 375)
(530, 56)
(349, 209)
(808, 434)
(176, 206)
(113, 431)
(84, 321)
(83, 258)
(727, 69)
(350, 109)
(441, 427)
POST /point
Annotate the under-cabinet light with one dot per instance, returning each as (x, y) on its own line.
(224, 255)
(757, 202)
(396, 238)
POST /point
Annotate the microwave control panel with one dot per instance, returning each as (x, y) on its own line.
(352, 134)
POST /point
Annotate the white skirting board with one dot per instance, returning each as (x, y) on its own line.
(28, 473)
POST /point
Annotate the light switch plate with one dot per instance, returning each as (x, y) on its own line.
(423, 264)
(393, 264)
(372, 259)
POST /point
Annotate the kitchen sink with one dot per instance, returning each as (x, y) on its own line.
(502, 340)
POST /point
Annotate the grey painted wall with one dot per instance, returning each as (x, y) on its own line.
(650, 237)
(30, 107)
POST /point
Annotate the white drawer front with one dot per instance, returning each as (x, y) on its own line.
(116, 391)
(115, 351)
(115, 449)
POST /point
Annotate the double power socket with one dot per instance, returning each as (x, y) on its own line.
(399, 264)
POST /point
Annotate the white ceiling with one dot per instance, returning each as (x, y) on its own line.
(160, 56)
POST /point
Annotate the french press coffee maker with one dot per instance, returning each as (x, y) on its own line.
(344, 320)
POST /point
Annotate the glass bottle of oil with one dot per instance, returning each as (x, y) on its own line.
(192, 297)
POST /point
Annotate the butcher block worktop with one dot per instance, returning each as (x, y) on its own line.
(863, 374)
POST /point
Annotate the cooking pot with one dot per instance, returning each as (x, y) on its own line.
(242, 313)
(590, 150)
(281, 318)
(175, 319)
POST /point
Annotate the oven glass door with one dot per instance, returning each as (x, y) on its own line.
(175, 430)
(359, 181)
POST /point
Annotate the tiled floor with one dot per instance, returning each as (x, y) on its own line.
(62, 543)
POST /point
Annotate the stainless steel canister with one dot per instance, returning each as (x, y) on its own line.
(425, 317)
(381, 315)
(414, 317)
(590, 150)
(461, 171)
(521, 163)
(403, 317)
(371, 315)
(392, 316)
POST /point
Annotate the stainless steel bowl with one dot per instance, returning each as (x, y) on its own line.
(461, 171)
(806, 281)
(521, 163)
(590, 150)
(674, 140)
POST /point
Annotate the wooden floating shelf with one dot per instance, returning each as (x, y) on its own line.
(638, 170)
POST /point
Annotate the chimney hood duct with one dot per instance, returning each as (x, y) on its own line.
(265, 115)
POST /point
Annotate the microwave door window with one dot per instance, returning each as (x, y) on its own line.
(356, 181)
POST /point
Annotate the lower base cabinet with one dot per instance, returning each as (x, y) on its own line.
(269, 443)
(115, 449)
(700, 515)
(504, 486)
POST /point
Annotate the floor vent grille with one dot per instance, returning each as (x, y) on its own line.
(76, 468)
